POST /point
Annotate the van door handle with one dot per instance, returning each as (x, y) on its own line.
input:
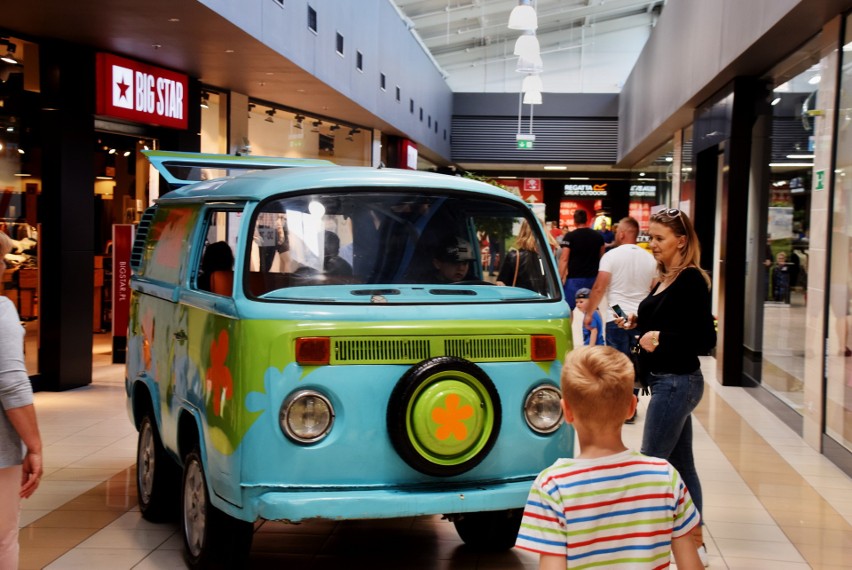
(180, 336)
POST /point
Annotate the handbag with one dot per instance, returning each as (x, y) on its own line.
(640, 376)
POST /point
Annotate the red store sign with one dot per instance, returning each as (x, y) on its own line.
(140, 92)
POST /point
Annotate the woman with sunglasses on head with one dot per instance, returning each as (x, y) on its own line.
(675, 325)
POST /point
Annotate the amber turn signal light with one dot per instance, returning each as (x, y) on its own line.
(313, 350)
(543, 347)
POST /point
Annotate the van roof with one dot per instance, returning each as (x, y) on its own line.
(258, 185)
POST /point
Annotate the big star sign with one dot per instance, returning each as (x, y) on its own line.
(140, 92)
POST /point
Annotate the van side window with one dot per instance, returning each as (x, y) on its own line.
(167, 243)
(215, 271)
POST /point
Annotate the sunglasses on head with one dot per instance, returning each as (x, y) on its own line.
(668, 215)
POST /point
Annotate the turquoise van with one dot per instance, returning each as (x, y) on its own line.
(308, 341)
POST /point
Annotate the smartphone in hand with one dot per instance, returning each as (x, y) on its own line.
(618, 312)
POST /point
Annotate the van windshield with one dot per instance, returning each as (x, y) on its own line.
(398, 246)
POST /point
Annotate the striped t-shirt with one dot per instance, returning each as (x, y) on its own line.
(622, 510)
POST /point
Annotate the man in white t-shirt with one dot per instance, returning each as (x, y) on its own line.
(625, 274)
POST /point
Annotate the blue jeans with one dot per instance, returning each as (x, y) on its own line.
(573, 285)
(619, 338)
(668, 425)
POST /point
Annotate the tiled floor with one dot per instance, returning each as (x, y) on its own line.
(770, 501)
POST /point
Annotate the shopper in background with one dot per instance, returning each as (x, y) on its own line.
(625, 276)
(20, 469)
(522, 265)
(581, 251)
(675, 322)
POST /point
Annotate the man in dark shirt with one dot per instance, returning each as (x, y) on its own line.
(581, 251)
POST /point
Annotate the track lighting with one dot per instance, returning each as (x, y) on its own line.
(251, 107)
(9, 56)
(270, 113)
(205, 100)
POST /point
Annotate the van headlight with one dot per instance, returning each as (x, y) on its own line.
(306, 416)
(542, 409)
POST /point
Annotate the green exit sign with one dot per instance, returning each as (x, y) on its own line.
(525, 144)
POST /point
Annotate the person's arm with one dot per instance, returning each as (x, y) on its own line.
(685, 553)
(593, 336)
(563, 264)
(551, 562)
(602, 282)
(23, 419)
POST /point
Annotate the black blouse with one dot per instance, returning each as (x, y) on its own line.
(682, 313)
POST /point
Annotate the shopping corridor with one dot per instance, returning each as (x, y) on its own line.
(771, 501)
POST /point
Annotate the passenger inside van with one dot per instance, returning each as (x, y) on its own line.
(333, 264)
(217, 269)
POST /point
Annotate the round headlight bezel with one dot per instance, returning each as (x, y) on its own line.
(284, 416)
(528, 404)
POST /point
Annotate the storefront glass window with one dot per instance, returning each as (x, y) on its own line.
(785, 255)
(838, 391)
(20, 185)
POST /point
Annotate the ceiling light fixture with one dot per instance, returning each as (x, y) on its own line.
(205, 100)
(532, 98)
(532, 82)
(9, 56)
(251, 107)
(334, 127)
(270, 113)
(523, 16)
(527, 46)
(556, 168)
(775, 101)
(126, 153)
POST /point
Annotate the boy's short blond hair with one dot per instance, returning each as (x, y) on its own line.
(597, 383)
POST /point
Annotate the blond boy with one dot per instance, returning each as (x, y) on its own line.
(610, 506)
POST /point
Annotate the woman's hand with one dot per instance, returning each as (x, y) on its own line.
(629, 323)
(650, 341)
(31, 472)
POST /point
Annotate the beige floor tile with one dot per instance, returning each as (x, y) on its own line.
(52, 537)
(37, 558)
(759, 550)
(743, 531)
(162, 560)
(98, 559)
(127, 539)
(76, 519)
(736, 563)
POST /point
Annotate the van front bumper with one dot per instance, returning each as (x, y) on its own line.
(338, 504)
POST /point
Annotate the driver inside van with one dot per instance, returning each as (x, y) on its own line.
(452, 260)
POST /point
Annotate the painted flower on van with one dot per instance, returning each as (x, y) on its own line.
(450, 418)
(220, 384)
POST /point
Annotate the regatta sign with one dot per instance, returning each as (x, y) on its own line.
(140, 92)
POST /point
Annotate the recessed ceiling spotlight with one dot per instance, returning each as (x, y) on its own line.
(174, 19)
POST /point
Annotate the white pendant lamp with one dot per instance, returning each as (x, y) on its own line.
(532, 83)
(527, 46)
(532, 98)
(523, 16)
(531, 65)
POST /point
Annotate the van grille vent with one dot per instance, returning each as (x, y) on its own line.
(141, 236)
(386, 350)
(489, 348)
(406, 350)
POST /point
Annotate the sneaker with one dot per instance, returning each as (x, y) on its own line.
(702, 554)
(631, 419)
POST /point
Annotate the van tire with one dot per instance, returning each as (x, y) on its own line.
(491, 531)
(211, 538)
(157, 475)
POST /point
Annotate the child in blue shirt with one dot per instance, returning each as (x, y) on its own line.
(594, 336)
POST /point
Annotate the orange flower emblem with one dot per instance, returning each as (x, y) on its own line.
(450, 418)
(218, 375)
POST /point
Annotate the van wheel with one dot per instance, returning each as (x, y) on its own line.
(212, 539)
(491, 530)
(157, 475)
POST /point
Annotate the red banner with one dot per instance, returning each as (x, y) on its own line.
(122, 242)
(141, 93)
